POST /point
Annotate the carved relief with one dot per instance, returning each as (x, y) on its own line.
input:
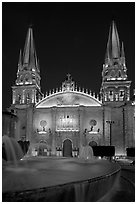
(68, 99)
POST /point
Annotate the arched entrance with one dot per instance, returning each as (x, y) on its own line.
(42, 150)
(67, 148)
(93, 143)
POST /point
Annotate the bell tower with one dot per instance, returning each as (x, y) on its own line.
(27, 88)
(115, 88)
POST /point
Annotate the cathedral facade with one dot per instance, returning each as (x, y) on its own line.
(64, 119)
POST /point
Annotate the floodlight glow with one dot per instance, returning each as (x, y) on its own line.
(42, 132)
(93, 132)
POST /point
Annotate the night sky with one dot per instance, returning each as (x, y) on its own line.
(69, 38)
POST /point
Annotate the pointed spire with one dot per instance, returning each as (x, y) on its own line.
(29, 55)
(107, 56)
(113, 45)
(37, 62)
(123, 56)
(115, 42)
(122, 51)
(26, 54)
(20, 61)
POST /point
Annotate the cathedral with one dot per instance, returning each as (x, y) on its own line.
(60, 121)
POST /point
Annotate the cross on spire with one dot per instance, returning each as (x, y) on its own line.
(68, 75)
(68, 84)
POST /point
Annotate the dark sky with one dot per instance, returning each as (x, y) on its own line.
(69, 38)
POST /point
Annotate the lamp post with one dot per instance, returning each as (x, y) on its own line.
(110, 122)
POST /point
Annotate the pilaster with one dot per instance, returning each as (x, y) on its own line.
(29, 118)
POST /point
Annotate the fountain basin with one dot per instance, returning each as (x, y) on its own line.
(58, 179)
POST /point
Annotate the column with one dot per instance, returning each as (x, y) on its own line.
(17, 130)
(23, 96)
(14, 97)
(128, 95)
(29, 126)
(33, 96)
(80, 121)
(53, 145)
(103, 121)
(110, 122)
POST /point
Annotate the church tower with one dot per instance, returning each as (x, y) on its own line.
(27, 88)
(115, 88)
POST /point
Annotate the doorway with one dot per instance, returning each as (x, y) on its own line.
(42, 150)
(92, 144)
(67, 148)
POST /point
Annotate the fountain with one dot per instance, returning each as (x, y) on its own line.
(86, 152)
(53, 148)
(54, 179)
(11, 150)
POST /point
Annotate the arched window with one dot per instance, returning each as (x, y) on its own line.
(119, 73)
(112, 73)
(121, 95)
(19, 98)
(116, 63)
(28, 98)
(111, 95)
(106, 72)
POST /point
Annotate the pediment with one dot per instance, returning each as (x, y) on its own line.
(68, 98)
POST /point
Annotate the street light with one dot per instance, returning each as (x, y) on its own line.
(110, 122)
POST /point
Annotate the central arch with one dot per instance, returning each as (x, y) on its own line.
(67, 148)
(92, 143)
(42, 149)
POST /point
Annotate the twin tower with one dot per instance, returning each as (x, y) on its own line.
(115, 87)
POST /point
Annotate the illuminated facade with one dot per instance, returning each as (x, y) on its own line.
(62, 120)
